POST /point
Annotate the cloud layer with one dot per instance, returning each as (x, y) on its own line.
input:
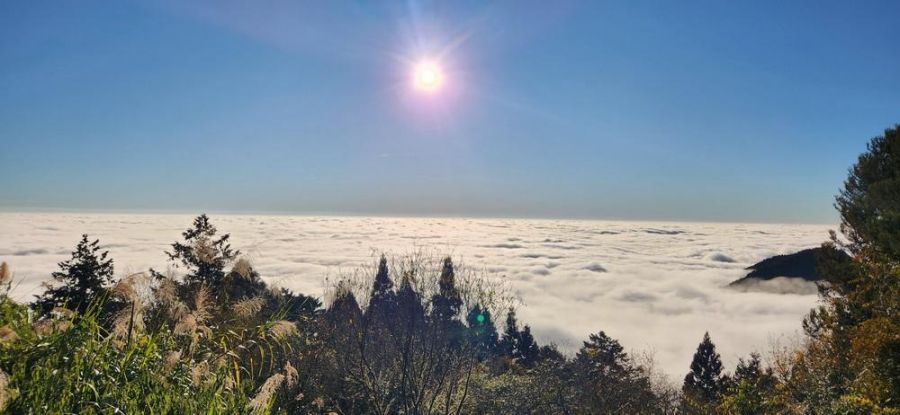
(656, 286)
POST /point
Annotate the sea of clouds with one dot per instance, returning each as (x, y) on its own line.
(654, 286)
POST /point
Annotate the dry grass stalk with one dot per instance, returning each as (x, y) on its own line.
(49, 326)
(204, 250)
(248, 307)
(242, 267)
(260, 402)
(291, 376)
(7, 335)
(282, 329)
(202, 305)
(4, 393)
(5, 273)
(171, 360)
(199, 372)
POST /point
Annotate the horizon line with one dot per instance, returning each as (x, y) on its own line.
(179, 211)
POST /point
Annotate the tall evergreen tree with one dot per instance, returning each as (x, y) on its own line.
(482, 332)
(344, 310)
(383, 301)
(607, 381)
(80, 279)
(528, 350)
(703, 384)
(410, 311)
(508, 344)
(204, 255)
(853, 349)
(869, 203)
(446, 304)
(518, 345)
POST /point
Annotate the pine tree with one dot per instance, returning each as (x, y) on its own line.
(606, 379)
(603, 356)
(751, 390)
(853, 342)
(383, 301)
(869, 203)
(482, 332)
(410, 311)
(508, 345)
(82, 279)
(446, 304)
(202, 254)
(749, 370)
(703, 384)
(344, 310)
(528, 350)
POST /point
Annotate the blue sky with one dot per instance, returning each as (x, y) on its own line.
(629, 110)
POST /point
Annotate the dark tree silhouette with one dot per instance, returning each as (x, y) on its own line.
(446, 304)
(383, 301)
(606, 379)
(508, 345)
(518, 345)
(528, 350)
(203, 254)
(80, 279)
(869, 204)
(411, 313)
(750, 370)
(344, 310)
(703, 384)
(482, 332)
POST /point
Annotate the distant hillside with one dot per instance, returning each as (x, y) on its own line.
(801, 265)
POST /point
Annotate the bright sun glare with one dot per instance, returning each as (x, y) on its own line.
(427, 76)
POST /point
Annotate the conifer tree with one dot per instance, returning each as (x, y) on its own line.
(853, 335)
(344, 310)
(383, 301)
(204, 255)
(410, 311)
(703, 384)
(80, 279)
(606, 379)
(869, 203)
(446, 304)
(508, 345)
(482, 332)
(528, 350)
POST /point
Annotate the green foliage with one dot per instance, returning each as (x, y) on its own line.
(71, 365)
(518, 345)
(202, 254)
(80, 280)
(607, 381)
(704, 382)
(869, 204)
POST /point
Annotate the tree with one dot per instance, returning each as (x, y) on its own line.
(752, 389)
(869, 203)
(518, 345)
(703, 384)
(528, 350)
(607, 381)
(482, 332)
(852, 358)
(446, 303)
(82, 279)
(383, 301)
(203, 254)
(508, 345)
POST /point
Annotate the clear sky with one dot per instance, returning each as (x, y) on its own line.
(700, 110)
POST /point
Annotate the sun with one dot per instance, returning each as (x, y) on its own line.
(428, 76)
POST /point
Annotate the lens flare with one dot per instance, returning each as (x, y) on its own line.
(428, 76)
